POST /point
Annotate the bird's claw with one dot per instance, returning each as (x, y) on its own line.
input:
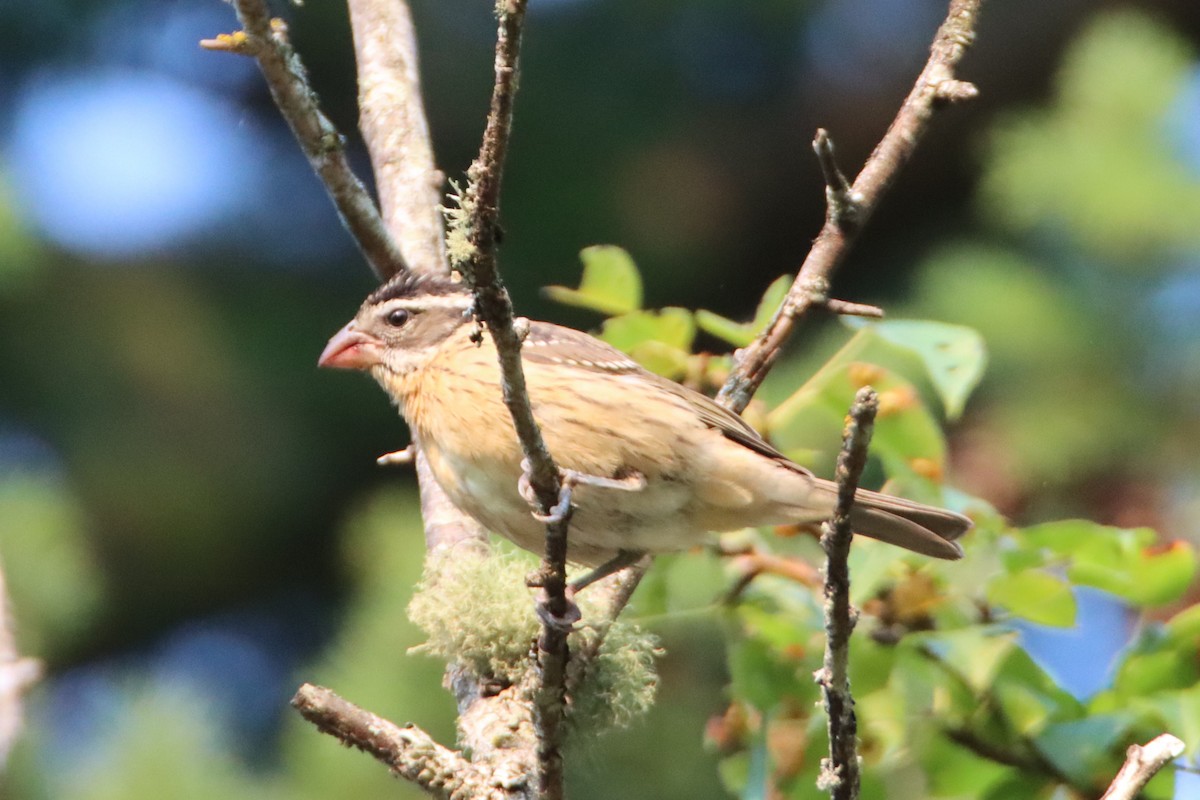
(564, 622)
(568, 480)
(559, 512)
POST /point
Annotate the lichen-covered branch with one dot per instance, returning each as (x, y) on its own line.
(840, 772)
(265, 39)
(407, 751)
(849, 207)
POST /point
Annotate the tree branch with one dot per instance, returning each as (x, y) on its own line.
(392, 120)
(17, 675)
(265, 39)
(1141, 764)
(407, 751)
(850, 207)
(840, 772)
(551, 495)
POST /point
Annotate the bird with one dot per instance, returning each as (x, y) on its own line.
(658, 465)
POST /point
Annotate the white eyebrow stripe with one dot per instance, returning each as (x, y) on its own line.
(430, 301)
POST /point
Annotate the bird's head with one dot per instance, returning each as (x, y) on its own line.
(399, 326)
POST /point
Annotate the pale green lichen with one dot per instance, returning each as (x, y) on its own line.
(459, 208)
(476, 610)
(619, 684)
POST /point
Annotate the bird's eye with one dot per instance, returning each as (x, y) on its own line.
(396, 317)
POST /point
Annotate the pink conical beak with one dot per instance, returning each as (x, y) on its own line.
(350, 348)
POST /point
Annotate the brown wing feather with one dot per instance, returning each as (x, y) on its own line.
(553, 344)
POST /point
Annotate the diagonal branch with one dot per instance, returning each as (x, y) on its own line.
(407, 751)
(1141, 764)
(849, 207)
(265, 39)
(840, 772)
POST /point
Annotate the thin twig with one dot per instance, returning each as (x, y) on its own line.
(749, 564)
(392, 120)
(266, 40)
(1142, 763)
(849, 208)
(494, 307)
(840, 772)
(407, 751)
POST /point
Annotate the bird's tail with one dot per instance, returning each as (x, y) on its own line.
(914, 526)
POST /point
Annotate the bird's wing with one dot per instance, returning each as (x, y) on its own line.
(552, 344)
(730, 425)
(547, 343)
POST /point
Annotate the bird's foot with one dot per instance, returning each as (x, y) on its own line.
(567, 614)
(634, 481)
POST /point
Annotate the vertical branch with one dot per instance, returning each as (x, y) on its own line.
(849, 207)
(551, 496)
(392, 121)
(394, 128)
(17, 674)
(840, 772)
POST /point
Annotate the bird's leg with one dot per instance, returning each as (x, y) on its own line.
(623, 559)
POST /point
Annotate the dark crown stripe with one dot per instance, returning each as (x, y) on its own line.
(406, 285)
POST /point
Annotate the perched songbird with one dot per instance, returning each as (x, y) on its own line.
(662, 464)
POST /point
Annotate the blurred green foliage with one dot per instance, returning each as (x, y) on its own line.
(950, 704)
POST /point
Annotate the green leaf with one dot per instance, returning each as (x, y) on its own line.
(1017, 784)
(906, 438)
(740, 334)
(1180, 712)
(1148, 673)
(670, 326)
(1184, 627)
(611, 283)
(953, 355)
(973, 654)
(954, 771)
(1026, 709)
(1082, 749)
(1064, 536)
(1034, 595)
(1124, 564)
(661, 359)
